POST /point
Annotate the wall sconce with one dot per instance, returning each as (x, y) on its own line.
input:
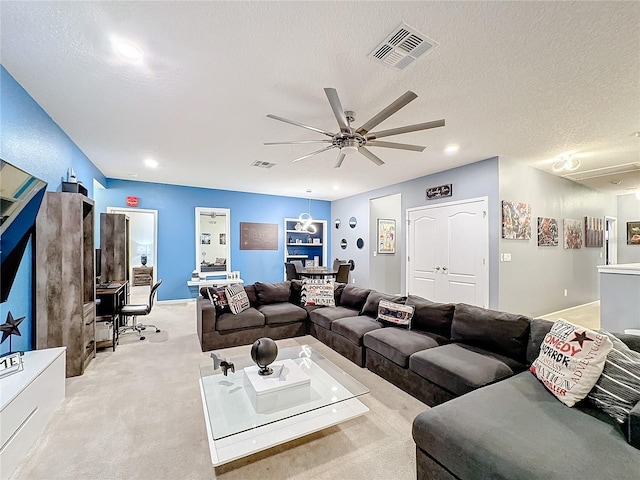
(568, 164)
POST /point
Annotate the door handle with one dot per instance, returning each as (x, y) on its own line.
(444, 269)
(436, 268)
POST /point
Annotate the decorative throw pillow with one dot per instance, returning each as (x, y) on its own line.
(218, 298)
(316, 291)
(617, 390)
(571, 360)
(395, 314)
(237, 298)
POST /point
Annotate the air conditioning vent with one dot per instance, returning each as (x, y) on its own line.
(261, 164)
(404, 45)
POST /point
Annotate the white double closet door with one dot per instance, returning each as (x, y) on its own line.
(448, 252)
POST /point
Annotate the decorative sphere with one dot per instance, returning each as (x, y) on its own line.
(264, 351)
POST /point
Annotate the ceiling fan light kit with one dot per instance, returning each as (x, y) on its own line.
(568, 164)
(349, 140)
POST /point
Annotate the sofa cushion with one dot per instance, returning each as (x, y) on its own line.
(514, 429)
(354, 297)
(431, 316)
(296, 291)
(398, 344)
(282, 313)
(461, 368)
(354, 328)
(539, 328)
(617, 390)
(571, 360)
(392, 314)
(237, 298)
(370, 306)
(318, 291)
(249, 318)
(499, 332)
(218, 298)
(326, 315)
(252, 295)
(273, 292)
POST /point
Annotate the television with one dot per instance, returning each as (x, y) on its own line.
(20, 197)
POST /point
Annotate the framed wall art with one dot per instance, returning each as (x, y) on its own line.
(593, 232)
(547, 232)
(516, 220)
(633, 233)
(386, 236)
(572, 233)
(205, 239)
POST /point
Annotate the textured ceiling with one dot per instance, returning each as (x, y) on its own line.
(527, 81)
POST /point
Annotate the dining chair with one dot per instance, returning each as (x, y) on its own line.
(343, 273)
(292, 273)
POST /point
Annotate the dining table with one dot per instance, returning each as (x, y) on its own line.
(316, 272)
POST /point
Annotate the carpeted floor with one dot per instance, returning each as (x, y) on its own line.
(136, 413)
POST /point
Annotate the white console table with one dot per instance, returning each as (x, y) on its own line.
(213, 282)
(28, 400)
(619, 297)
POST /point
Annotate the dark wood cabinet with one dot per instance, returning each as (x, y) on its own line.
(114, 246)
(65, 278)
(142, 276)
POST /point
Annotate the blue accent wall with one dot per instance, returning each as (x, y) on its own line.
(176, 227)
(32, 141)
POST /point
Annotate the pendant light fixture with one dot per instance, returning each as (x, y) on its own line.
(306, 220)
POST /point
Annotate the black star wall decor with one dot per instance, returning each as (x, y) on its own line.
(10, 327)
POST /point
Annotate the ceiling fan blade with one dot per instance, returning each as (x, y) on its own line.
(298, 142)
(400, 146)
(407, 129)
(315, 153)
(338, 111)
(387, 112)
(339, 160)
(370, 156)
(298, 124)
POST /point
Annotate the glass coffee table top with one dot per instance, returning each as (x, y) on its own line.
(246, 413)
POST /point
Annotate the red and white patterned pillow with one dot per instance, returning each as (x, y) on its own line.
(571, 360)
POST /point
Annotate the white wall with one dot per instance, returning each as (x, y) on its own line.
(628, 211)
(533, 282)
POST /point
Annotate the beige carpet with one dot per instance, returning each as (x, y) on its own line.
(136, 413)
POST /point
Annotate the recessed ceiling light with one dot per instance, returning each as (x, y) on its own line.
(636, 134)
(451, 149)
(127, 49)
(336, 187)
(615, 182)
(151, 163)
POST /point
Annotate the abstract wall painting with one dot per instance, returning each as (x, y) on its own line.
(572, 233)
(633, 233)
(547, 232)
(593, 232)
(516, 220)
(386, 236)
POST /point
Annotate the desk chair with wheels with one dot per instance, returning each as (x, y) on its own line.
(137, 310)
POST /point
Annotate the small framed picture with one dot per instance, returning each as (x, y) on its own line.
(633, 233)
(205, 239)
(386, 236)
(223, 239)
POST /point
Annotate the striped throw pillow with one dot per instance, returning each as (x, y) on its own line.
(617, 390)
(237, 298)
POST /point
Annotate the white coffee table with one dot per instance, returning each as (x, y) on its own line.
(241, 421)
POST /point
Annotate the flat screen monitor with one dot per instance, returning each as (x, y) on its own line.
(20, 198)
(98, 264)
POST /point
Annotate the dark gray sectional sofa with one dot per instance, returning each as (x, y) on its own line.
(491, 417)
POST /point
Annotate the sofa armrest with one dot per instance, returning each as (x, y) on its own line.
(206, 315)
(634, 426)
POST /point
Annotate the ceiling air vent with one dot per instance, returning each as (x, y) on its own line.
(261, 164)
(402, 47)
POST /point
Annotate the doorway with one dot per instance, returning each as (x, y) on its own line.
(448, 252)
(143, 237)
(610, 240)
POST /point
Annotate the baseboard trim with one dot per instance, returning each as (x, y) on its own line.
(565, 310)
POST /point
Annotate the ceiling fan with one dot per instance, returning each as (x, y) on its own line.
(350, 140)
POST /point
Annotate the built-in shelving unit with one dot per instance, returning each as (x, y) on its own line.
(302, 245)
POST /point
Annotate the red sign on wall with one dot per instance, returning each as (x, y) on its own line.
(132, 201)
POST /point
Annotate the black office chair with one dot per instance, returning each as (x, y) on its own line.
(292, 273)
(343, 273)
(137, 310)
